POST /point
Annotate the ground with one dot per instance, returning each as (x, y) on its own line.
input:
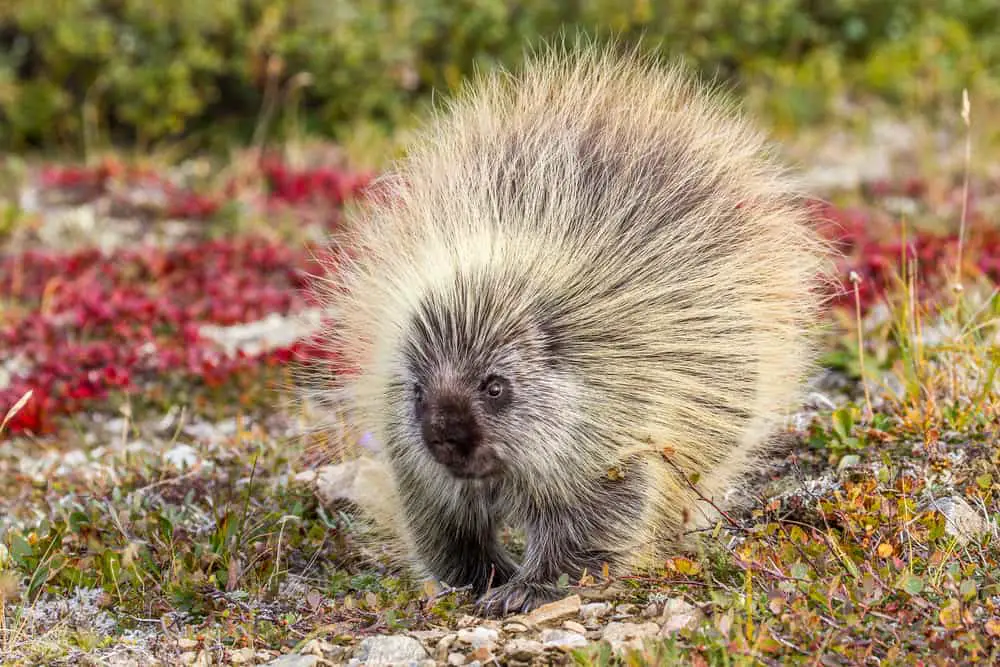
(160, 502)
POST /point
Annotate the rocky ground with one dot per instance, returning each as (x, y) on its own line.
(165, 502)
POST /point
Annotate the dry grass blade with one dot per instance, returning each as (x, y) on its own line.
(17, 407)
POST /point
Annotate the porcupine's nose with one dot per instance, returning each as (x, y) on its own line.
(450, 430)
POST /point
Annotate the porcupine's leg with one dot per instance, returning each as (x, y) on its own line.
(459, 544)
(602, 527)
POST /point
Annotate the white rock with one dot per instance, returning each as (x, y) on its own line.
(389, 650)
(563, 639)
(629, 635)
(294, 660)
(241, 656)
(523, 649)
(961, 520)
(479, 636)
(595, 610)
(678, 613)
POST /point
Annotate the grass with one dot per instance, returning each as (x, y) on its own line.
(166, 517)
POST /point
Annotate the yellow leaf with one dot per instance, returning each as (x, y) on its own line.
(884, 550)
(993, 627)
(951, 615)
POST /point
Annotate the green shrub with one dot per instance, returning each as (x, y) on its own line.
(146, 70)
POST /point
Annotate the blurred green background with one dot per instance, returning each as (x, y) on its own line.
(81, 73)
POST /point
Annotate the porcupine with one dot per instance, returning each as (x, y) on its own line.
(585, 279)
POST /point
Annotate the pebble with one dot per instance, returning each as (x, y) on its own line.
(652, 610)
(294, 660)
(241, 656)
(961, 520)
(626, 609)
(444, 647)
(522, 649)
(428, 636)
(555, 611)
(573, 626)
(515, 628)
(456, 659)
(595, 610)
(563, 639)
(186, 644)
(629, 635)
(678, 613)
(467, 621)
(477, 637)
(389, 650)
(481, 654)
(318, 647)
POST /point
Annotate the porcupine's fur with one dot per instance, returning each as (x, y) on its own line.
(600, 241)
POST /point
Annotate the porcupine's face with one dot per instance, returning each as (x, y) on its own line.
(460, 416)
(471, 390)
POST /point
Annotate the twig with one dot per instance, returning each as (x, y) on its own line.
(856, 280)
(966, 112)
(701, 495)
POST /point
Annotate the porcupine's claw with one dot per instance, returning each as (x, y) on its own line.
(516, 597)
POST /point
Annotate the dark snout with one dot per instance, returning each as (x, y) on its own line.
(454, 437)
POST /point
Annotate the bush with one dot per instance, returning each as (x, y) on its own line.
(145, 70)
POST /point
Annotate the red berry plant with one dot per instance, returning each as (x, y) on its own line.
(87, 323)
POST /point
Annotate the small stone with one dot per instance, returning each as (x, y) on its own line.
(241, 656)
(626, 609)
(317, 647)
(390, 650)
(555, 611)
(522, 650)
(629, 635)
(456, 658)
(467, 621)
(573, 626)
(515, 628)
(186, 644)
(563, 639)
(444, 647)
(188, 658)
(428, 636)
(961, 521)
(652, 610)
(477, 637)
(595, 610)
(678, 613)
(293, 660)
(481, 654)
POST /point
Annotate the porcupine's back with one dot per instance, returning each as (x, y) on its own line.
(639, 218)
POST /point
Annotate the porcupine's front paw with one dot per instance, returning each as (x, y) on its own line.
(516, 597)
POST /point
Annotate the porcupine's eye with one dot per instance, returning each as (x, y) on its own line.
(495, 388)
